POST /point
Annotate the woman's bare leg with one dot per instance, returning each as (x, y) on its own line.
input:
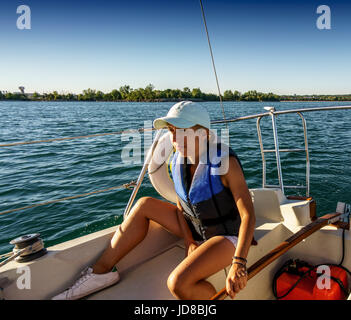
(134, 229)
(187, 280)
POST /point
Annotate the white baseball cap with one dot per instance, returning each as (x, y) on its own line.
(184, 114)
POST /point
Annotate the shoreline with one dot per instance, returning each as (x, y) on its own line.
(170, 100)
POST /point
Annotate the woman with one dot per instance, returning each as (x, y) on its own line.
(214, 214)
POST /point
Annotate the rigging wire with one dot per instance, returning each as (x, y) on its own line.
(126, 186)
(213, 63)
(71, 138)
(215, 72)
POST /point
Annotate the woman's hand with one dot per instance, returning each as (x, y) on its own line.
(236, 279)
(190, 247)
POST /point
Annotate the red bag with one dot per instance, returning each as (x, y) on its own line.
(298, 280)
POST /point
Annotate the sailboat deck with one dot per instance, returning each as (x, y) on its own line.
(145, 270)
(148, 280)
(145, 281)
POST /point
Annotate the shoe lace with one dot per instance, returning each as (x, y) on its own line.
(85, 274)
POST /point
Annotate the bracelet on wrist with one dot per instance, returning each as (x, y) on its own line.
(239, 263)
(240, 258)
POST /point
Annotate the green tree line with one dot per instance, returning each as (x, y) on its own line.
(149, 93)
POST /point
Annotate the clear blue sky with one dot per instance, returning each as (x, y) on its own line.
(270, 46)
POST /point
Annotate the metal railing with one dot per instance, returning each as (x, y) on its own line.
(273, 114)
(277, 151)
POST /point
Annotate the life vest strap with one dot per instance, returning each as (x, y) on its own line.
(218, 220)
(211, 221)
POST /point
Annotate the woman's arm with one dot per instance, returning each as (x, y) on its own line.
(190, 244)
(234, 179)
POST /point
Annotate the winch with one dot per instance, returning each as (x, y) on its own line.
(27, 248)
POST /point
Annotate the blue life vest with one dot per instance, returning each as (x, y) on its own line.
(208, 206)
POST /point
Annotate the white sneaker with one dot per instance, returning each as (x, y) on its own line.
(88, 283)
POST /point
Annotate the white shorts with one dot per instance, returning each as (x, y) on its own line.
(232, 239)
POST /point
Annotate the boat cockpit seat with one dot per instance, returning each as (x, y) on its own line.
(267, 210)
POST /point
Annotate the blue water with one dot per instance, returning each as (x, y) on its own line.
(47, 171)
